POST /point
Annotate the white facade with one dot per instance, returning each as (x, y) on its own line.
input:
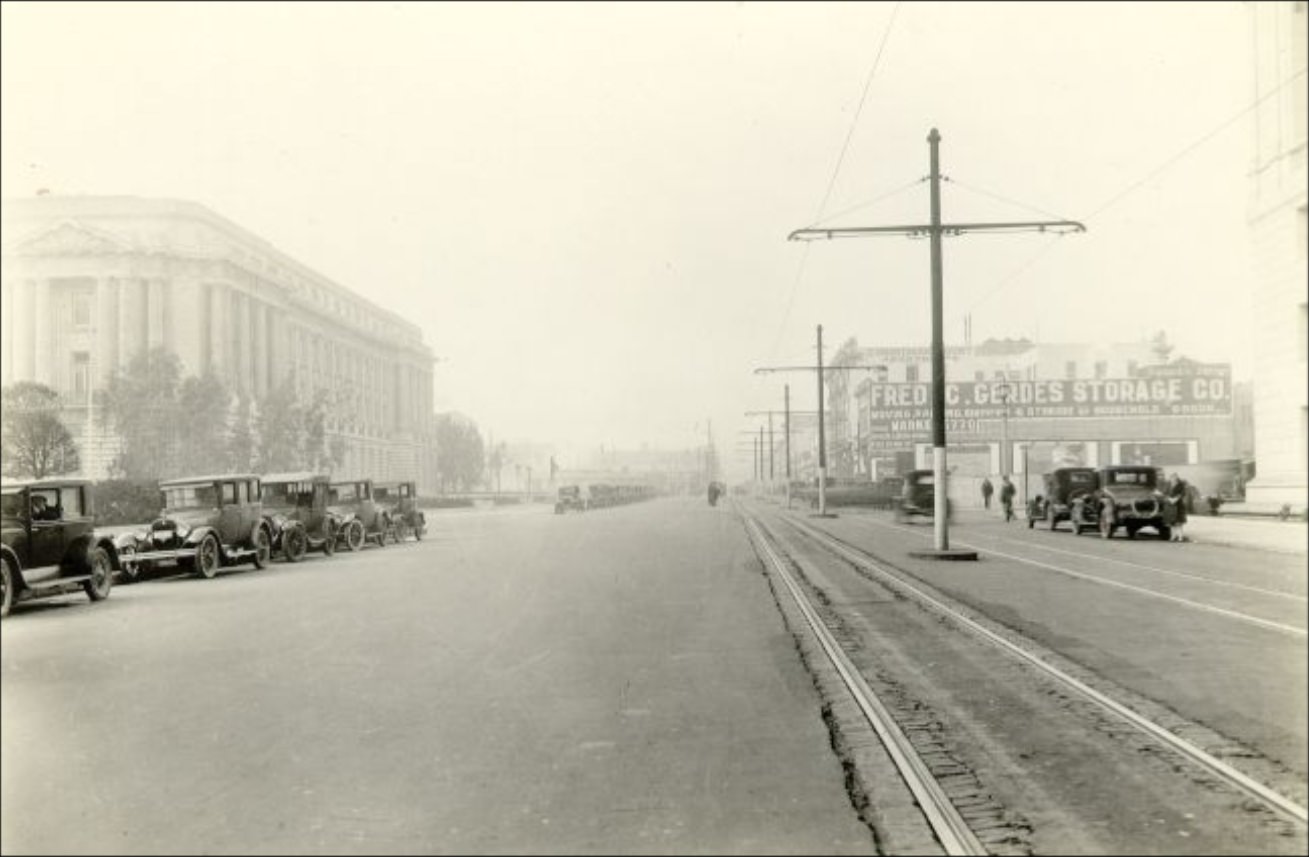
(1279, 230)
(88, 282)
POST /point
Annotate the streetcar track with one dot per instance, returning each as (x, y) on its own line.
(1210, 762)
(1139, 590)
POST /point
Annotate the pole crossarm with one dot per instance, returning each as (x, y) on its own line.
(764, 369)
(922, 229)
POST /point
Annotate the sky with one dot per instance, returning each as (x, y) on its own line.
(585, 206)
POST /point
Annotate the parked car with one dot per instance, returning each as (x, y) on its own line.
(48, 543)
(295, 505)
(1129, 496)
(1064, 489)
(207, 523)
(400, 502)
(362, 519)
(918, 497)
(570, 499)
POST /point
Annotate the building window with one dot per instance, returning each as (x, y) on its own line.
(1070, 369)
(1101, 369)
(81, 381)
(911, 372)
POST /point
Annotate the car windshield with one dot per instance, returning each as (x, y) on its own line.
(1132, 477)
(287, 493)
(191, 496)
(1078, 477)
(344, 493)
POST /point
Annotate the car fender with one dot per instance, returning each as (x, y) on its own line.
(194, 537)
(76, 554)
(7, 553)
(107, 545)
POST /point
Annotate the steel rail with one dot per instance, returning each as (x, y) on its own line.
(1274, 800)
(945, 821)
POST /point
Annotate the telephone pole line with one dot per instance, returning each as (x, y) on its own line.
(935, 230)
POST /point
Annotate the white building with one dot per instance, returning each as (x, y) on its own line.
(1279, 230)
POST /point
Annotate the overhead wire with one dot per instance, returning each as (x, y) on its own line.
(854, 122)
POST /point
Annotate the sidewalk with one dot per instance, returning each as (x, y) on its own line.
(1271, 534)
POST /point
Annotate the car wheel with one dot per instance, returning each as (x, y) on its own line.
(263, 548)
(295, 544)
(206, 557)
(354, 535)
(102, 575)
(329, 538)
(7, 585)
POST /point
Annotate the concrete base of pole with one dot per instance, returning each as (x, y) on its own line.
(823, 515)
(946, 554)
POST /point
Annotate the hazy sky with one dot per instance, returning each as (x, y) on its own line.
(585, 206)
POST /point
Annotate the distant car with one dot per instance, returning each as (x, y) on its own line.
(1129, 496)
(1066, 488)
(570, 499)
(295, 504)
(207, 523)
(918, 497)
(400, 500)
(49, 546)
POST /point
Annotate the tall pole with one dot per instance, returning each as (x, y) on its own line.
(1004, 432)
(771, 474)
(822, 443)
(788, 434)
(940, 531)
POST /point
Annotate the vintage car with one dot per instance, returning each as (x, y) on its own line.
(1129, 496)
(918, 497)
(295, 505)
(400, 501)
(360, 516)
(207, 523)
(49, 544)
(571, 498)
(1065, 489)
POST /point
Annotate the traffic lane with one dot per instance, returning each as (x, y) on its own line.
(1242, 679)
(615, 681)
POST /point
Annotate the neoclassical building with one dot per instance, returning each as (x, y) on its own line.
(86, 282)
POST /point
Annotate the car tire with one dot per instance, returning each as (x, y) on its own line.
(295, 544)
(263, 547)
(207, 558)
(7, 581)
(354, 535)
(101, 570)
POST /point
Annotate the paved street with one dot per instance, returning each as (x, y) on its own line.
(613, 682)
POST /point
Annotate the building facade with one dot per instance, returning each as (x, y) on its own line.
(1279, 231)
(86, 283)
(1013, 406)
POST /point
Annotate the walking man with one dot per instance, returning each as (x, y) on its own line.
(987, 490)
(1007, 498)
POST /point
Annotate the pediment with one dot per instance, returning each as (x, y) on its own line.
(70, 238)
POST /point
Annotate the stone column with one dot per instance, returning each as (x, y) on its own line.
(43, 334)
(153, 288)
(186, 323)
(104, 358)
(275, 349)
(217, 356)
(260, 313)
(243, 343)
(8, 330)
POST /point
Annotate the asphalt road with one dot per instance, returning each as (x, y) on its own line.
(618, 681)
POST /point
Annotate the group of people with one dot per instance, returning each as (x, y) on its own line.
(1007, 492)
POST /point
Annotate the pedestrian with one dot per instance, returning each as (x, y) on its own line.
(1007, 497)
(1178, 496)
(987, 490)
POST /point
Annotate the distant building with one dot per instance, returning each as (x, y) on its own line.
(1279, 230)
(88, 282)
(1014, 406)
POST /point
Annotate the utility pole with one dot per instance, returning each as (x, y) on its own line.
(935, 230)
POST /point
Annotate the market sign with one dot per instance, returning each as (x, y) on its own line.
(904, 411)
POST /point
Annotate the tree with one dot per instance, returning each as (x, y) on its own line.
(36, 443)
(141, 403)
(461, 458)
(278, 429)
(203, 408)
